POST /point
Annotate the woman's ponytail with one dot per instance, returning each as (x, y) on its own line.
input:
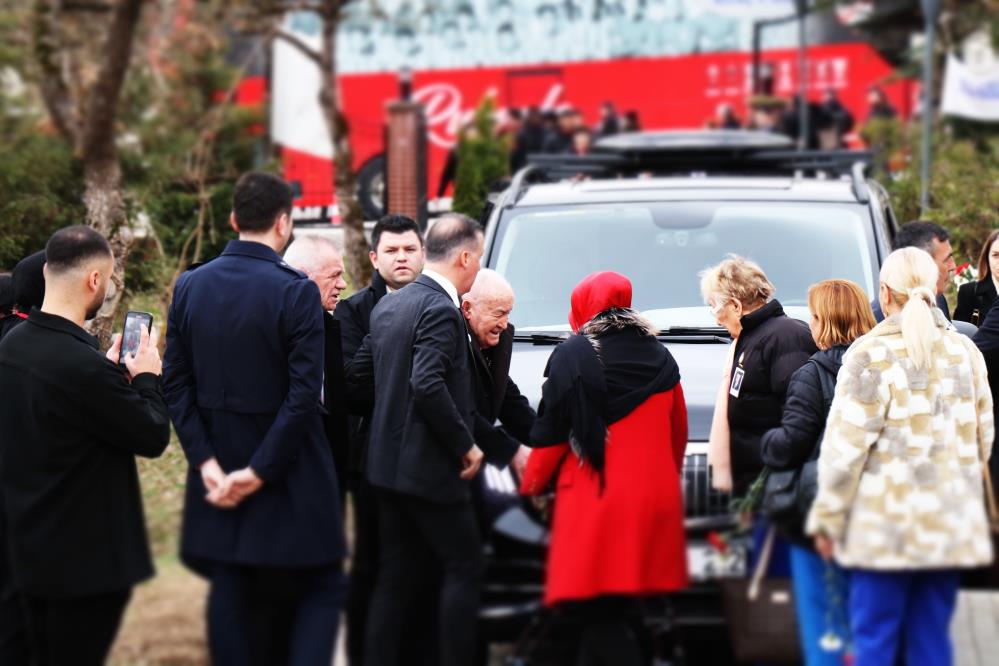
(911, 275)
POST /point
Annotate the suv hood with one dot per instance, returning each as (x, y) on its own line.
(700, 371)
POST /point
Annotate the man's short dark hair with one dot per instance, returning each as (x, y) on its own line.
(259, 200)
(71, 247)
(393, 224)
(452, 232)
(920, 234)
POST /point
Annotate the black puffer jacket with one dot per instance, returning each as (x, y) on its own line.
(789, 445)
(769, 349)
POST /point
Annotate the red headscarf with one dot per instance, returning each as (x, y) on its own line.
(598, 292)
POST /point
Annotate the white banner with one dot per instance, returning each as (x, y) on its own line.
(296, 117)
(969, 94)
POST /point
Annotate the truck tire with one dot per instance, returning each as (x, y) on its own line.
(371, 187)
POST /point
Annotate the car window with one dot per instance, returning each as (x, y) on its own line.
(662, 247)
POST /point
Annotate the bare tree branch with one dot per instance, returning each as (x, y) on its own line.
(102, 107)
(303, 48)
(54, 87)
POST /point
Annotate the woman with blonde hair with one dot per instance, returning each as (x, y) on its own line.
(841, 313)
(900, 500)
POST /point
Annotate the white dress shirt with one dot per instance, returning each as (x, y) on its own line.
(445, 284)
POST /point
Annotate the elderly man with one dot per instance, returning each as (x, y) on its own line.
(487, 309)
(321, 260)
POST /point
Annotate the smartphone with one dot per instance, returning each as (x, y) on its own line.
(132, 335)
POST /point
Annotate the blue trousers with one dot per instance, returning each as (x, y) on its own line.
(889, 610)
(820, 597)
(261, 616)
(780, 563)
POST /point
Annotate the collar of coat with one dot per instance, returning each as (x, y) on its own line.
(61, 325)
(758, 316)
(893, 325)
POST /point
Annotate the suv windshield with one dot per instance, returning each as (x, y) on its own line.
(662, 247)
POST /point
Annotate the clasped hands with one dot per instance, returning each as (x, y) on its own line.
(227, 491)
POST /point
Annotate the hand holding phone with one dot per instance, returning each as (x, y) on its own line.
(137, 348)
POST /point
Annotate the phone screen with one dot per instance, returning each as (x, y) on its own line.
(132, 335)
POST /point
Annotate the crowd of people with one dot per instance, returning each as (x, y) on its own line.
(284, 399)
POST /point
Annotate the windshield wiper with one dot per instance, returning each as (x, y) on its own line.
(695, 334)
(540, 338)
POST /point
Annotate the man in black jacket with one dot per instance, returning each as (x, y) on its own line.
(72, 424)
(397, 256)
(935, 240)
(422, 452)
(487, 308)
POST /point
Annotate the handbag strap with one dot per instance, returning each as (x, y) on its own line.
(753, 591)
(827, 384)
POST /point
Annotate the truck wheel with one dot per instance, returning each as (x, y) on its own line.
(371, 187)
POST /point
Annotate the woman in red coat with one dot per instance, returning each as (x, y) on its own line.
(611, 431)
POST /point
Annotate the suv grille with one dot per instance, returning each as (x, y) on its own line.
(699, 498)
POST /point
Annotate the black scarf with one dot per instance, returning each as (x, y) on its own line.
(596, 380)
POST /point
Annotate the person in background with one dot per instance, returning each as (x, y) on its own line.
(975, 298)
(835, 121)
(841, 313)
(609, 124)
(397, 256)
(73, 423)
(26, 290)
(725, 118)
(243, 377)
(769, 347)
(322, 262)
(900, 495)
(879, 106)
(6, 295)
(28, 282)
(630, 122)
(933, 239)
(487, 307)
(560, 140)
(532, 135)
(582, 142)
(612, 431)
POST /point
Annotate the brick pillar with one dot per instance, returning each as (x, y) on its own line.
(406, 161)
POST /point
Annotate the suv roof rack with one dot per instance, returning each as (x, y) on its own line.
(715, 152)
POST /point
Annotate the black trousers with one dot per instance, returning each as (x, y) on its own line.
(609, 628)
(363, 569)
(264, 616)
(415, 534)
(75, 631)
(15, 650)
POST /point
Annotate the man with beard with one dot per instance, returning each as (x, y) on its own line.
(72, 424)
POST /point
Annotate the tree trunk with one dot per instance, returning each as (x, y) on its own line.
(102, 197)
(101, 168)
(344, 180)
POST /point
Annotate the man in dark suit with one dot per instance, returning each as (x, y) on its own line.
(397, 257)
(320, 259)
(935, 240)
(243, 377)
(422, 452)
(487, 308)
(72, 424)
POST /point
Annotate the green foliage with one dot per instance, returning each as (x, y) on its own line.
(40, 183)
(483, 159)
(964, 171)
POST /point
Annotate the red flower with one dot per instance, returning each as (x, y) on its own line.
(718, 542)
(960, 269)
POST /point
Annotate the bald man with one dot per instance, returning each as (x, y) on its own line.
(321, 260)
(486, 308)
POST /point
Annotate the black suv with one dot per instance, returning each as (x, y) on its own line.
(660, 208)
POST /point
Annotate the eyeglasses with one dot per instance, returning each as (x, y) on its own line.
(718, 307)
